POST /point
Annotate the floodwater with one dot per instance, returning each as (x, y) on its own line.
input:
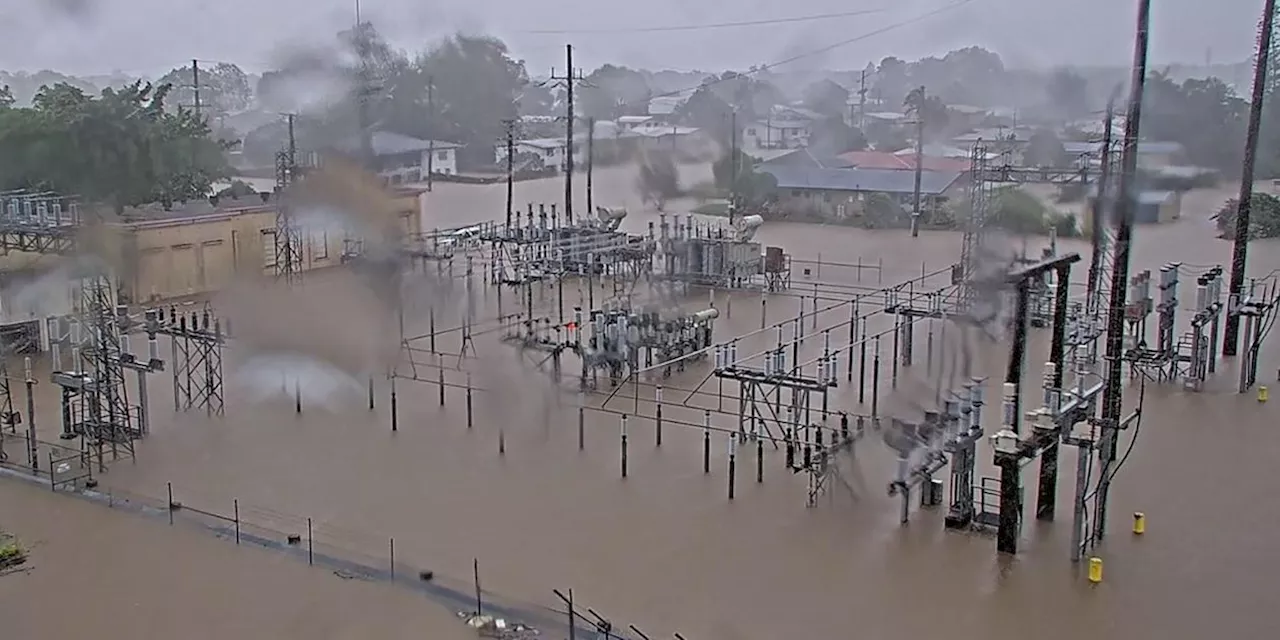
(110, 574)
(664, 549)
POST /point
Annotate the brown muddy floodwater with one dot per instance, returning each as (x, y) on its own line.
(101, 573)
(664, 549)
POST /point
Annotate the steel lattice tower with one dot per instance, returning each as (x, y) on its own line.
(974, 227)
(288, 238)
(102, 414)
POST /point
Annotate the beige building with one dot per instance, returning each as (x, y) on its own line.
(202, 248)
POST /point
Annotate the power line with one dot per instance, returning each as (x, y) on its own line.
(704, 27)
(815, 52)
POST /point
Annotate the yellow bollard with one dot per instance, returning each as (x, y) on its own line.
(1095, 570)
(1139, 523)
(1262, 394)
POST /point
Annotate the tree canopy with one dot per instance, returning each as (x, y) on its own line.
(461, 89)
(121, 148)
(612, 91)
(224, 89)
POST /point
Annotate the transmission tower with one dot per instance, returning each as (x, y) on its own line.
(288, 237)
(975, 227)
(95, 399)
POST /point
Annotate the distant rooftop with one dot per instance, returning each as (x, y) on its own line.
(897, 181)
(386, 143)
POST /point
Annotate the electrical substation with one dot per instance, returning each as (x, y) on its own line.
(763, 362)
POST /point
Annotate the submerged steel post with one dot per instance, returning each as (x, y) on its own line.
(1046, 498)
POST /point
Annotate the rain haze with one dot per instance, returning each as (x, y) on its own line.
(147, 37)
(843, 320)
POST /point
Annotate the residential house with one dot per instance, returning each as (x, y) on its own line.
(551, 152)
(628, 123)
(805, 159)
(401, 159)
(1151, 154)
(689, 143)
(1009, 142)
(776, 134)
(843, 192)
(1152, 206)
(905, 159)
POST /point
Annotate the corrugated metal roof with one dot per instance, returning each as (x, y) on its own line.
(866, 180)
(385, 143)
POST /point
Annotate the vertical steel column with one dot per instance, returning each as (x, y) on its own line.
(1046, 498)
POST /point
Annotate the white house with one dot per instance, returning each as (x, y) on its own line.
(403, 159)
(776, 134)
(629, 123)
(550, 150)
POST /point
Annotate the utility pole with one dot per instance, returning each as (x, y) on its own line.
(1113, 393)
(733, 164)
(915, 211)
(570, 77)
(195, 85)
(511, 158)
(431, 141)
(591, 156)
(1244, 209)
(862, 102)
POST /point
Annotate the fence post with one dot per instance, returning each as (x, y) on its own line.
(235, 504)
(393, 559)
(310, 547)
(169, 506)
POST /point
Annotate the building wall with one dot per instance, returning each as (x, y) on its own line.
(762, 135)
(165, 259)
(445, 162)
(844, 204)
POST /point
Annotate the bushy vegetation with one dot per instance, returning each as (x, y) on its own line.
(1019, 212)
(1264, 217)
(12, 555)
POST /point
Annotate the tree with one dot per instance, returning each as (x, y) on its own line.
(753, 189)
(536, 99)
(1044, 149)
(658, 179)
(1068, 92)
(892, 80)
(828, 98)
(610, 92)
(1019, 212)
(1204, 116)
(1264, 217)
(831, 136)
(224, 88)
(121, 148)
(476, 84)
(706, 110)
(930, 108)
(6, 97)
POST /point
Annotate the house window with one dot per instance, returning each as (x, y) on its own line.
(550, 153)
(751, 131)
(269, 248)
(442, 155)
(795, 193)
(826, 196)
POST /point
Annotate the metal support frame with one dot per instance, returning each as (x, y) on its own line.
(1010, 445)
(197, 340)
(96, 405)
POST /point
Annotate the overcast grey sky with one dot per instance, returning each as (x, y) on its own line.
(151, 36)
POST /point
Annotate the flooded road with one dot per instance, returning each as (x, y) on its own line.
(664, 548)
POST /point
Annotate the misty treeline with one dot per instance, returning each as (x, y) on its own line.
(120, 148)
